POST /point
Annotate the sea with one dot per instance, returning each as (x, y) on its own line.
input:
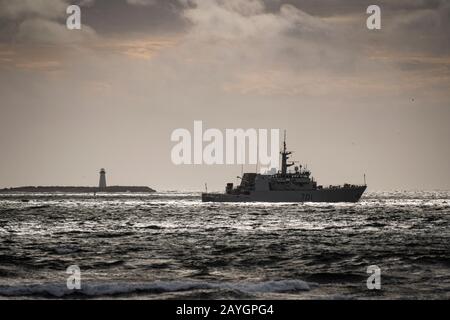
(170, 245)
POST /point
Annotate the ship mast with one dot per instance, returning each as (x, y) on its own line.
(285, 157)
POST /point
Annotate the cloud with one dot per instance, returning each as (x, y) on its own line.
(41, 31)
(269, 52)
(36, 8)
(142, 2)
(138, 49)
(231, 43)
(422, 30)
(247, 47)
(40, 22)
(36, 34)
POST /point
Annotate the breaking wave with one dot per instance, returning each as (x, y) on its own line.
(156, 287)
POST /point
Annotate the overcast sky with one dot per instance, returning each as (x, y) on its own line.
(352, 100)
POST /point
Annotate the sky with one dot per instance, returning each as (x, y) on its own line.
(353, 101)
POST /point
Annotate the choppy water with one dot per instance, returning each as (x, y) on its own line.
(170, 245)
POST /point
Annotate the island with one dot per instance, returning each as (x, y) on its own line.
(72, 189)
(102, 187)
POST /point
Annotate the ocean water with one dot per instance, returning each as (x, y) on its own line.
(172, 246)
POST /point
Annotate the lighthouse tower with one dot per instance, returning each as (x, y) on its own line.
(102, 183)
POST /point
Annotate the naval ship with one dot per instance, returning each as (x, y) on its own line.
(284, 186)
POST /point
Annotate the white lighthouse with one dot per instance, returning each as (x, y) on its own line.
(102, 183)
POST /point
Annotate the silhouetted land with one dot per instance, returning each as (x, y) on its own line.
(70, 189)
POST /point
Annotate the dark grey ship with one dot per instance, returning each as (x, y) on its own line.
(284, 186)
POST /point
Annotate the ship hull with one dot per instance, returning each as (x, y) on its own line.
(352, 194)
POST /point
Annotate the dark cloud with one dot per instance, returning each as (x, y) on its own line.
(426, 30)
(38, 21)
(326, 8)
(106, 17)
(122, 17)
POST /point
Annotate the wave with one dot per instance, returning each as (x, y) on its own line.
(156, 287)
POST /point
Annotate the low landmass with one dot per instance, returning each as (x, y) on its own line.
(69, 189)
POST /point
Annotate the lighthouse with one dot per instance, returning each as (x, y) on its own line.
(102, 183)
